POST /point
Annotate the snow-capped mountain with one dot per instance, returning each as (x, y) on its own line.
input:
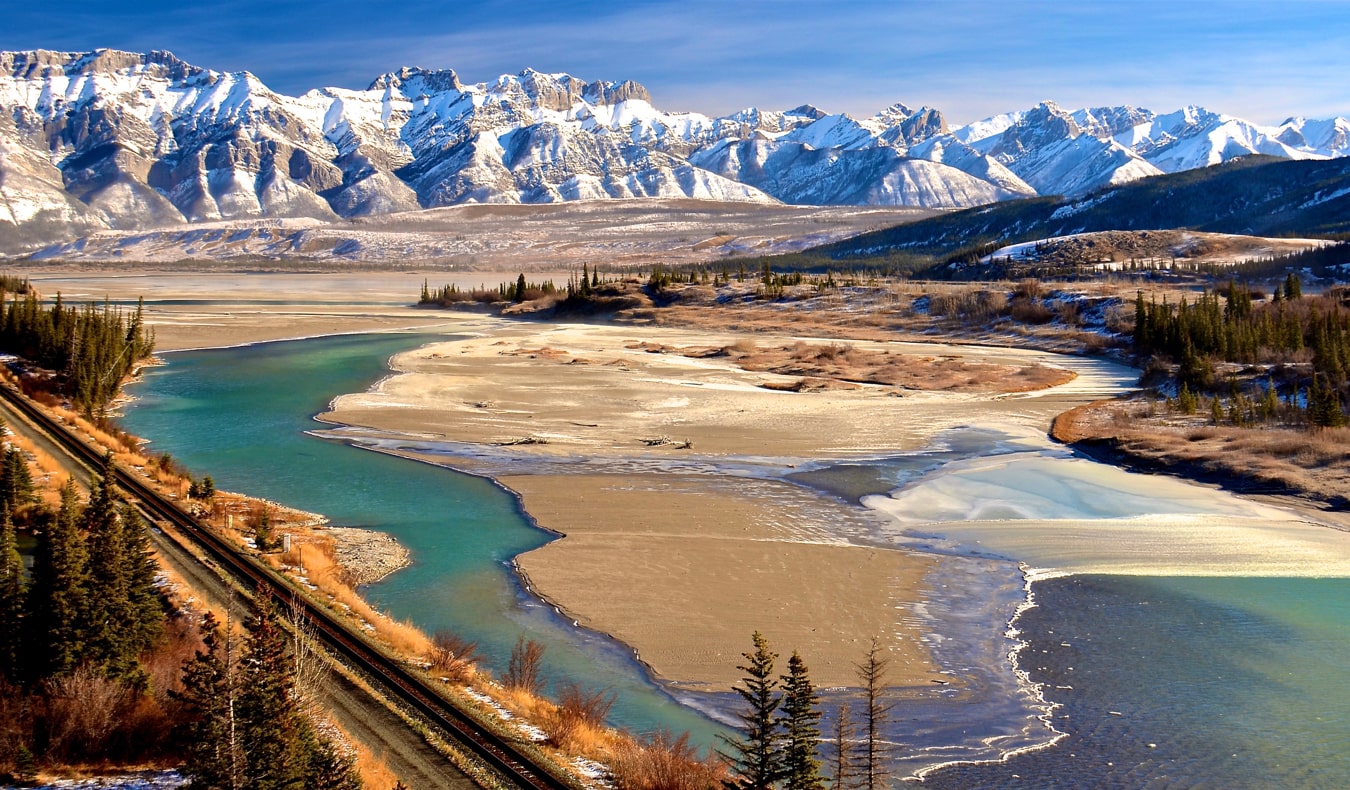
(112, 139)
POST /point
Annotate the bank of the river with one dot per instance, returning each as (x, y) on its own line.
(1197, 746)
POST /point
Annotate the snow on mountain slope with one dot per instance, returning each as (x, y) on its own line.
(127, 140)
(1195, 137)
(952, 152)
(796, 173)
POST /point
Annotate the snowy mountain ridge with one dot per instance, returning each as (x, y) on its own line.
(120, 140)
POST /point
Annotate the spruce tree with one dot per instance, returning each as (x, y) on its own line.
(1324, 404)
(876, 714)
(16, 482)
(755, 757)
(213, 754)
(330, 769)
(800, 721)
(59, 599)
(143, 619)
(270, 724)
(12, 590)
(104, 628)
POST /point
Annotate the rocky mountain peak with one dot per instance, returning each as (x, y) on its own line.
(40, 63)
(1107, 122)
(807, 111)
(615, 92)
(418, 81)
(152, 140)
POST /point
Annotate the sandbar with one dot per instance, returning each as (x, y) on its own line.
(682, 548)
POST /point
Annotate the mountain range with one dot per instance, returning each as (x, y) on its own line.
(119, 140)
(1251, 196)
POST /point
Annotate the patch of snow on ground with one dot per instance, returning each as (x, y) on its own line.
(147, 780)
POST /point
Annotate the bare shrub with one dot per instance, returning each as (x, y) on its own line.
(1028, 311)
(833, 351)
(1029, 288)
(744, 346)
(83, 708)
(969, 304)
(453, 656)
(578, 718)
(523, 669)
(1120, 319)
(1069, 312)
(664, 762)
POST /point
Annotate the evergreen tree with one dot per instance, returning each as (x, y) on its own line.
(519, 295)
(330, 769)
(213, 753)
(16, 482)
(755, 757)
(58, 601)
(105, 626)
(12, 591)
(800, 722)
(270, 725)
(876, 714)
(1324, 404)
(1293, 287)
(143, 619)
(263, 537)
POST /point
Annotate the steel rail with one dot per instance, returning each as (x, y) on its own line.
(496, 751)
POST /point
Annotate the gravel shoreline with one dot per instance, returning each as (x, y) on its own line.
(366, 555)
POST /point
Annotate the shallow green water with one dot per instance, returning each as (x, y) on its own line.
(1165, 682)
(241, 414)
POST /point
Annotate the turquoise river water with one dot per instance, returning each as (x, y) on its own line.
(1155, 681)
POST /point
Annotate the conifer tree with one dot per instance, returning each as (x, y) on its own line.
(755, 757)
(1324, 404)
(330, 769)
(214, 756)
(59, 596)
(12, 591)
(270, 724)
(876, 714)
(143, 619)
(16, 482)
(800, 721)
(104, 627)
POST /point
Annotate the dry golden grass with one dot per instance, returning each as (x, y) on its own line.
(374, 771)
(1311, 463)
(314, 552)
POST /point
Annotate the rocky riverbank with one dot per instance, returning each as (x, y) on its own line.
(365, 555)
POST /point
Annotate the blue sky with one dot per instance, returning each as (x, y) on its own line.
(1256, 59)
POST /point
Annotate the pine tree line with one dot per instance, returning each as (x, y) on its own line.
(91, 349)
(78, 630)
(1232, 327)
(519, 291)
(92, 600)
(74, 631)
(781, 737)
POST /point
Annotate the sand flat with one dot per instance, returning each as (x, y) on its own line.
(685, 568)
(671, 551)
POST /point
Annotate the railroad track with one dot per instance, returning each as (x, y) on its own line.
(495, 751)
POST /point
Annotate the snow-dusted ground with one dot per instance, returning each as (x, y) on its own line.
(602, 233)
(1163, 246)
(146, 780)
